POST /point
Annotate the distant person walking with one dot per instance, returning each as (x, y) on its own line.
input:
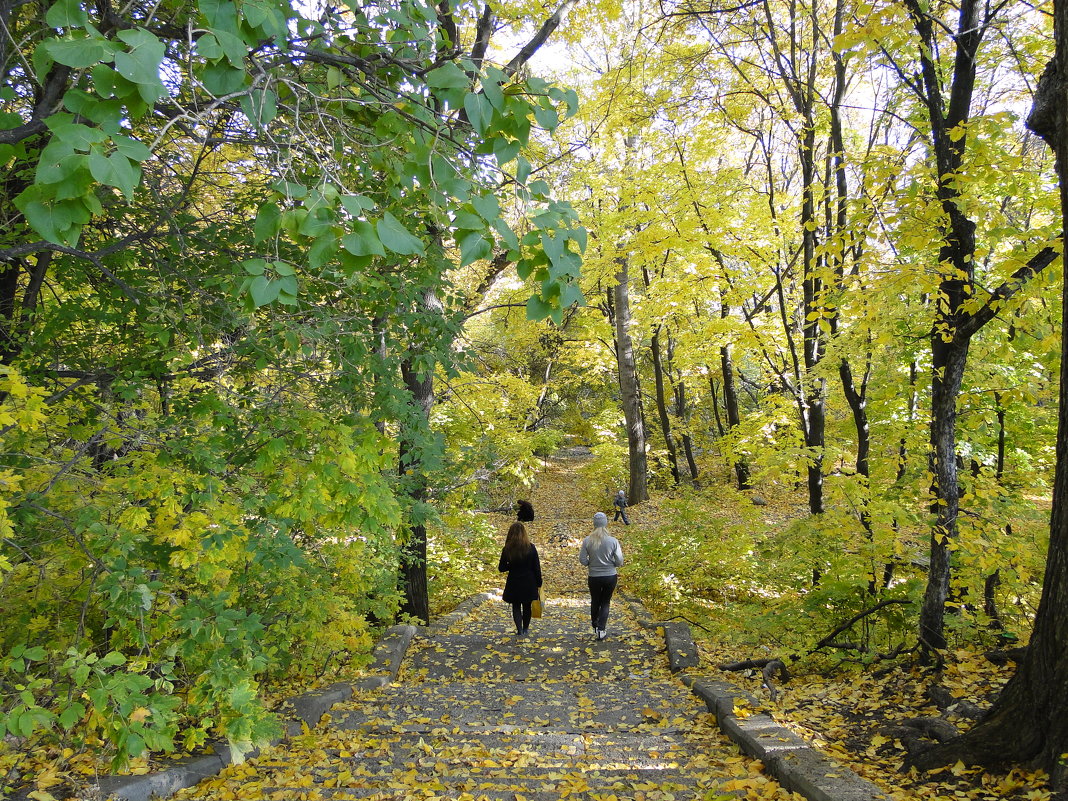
(519, 559)
(620, 502)
(601, 553)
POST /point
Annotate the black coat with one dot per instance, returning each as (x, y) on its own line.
(524, 577)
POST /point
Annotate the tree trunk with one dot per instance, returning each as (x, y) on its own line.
(730, 390)
(947, 372)
(662, 409)
(730, 404)
(683, 410)
(1029, 720)
(714, 394)
(414, 438)
(814, 419)
(638, 490)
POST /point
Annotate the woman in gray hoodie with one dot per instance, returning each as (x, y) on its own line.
(601, 553)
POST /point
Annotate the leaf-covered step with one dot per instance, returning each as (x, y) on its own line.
(513, 703)
(534, 657)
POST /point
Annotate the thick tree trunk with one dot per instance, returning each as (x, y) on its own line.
(1029, 721)
(638, 490)
(662, 408)
(949, 344)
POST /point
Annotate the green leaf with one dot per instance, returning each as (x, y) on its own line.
(141, 63)
(78, 53)
(474, 246)
(334, 78)
(322, 250)
(397, 238)
(71, 715)
(56, 162)
(254, 266)
(547, 117)
(507, 235)
(522, 170)
(262, 291)
(579, 235)
(448, 76)
(478, 111)
(131, 148)
(363, 241)
(571, 296)
(222, 79)
(55, 221)
(291, 190)
(491, 88)
(66, 14)
(506, 151)
(115, 170)
(268, 222)
(357, 204)
(233, 46)
(112, 659)
(72, 134)
(220, 14)
(208, 47)
(538, 309)
(488, 206)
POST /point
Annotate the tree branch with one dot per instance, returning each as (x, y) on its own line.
(1036, 264)
(531, 47)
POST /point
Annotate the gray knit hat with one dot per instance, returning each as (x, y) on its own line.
(600, 520)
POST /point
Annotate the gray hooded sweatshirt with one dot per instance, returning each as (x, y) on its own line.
(602, 559)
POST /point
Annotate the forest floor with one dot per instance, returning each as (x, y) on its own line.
(854, 715)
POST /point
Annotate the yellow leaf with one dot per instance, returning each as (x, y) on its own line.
(140, 714)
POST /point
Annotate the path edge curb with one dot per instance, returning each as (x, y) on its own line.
(302, 710)
(799, 766)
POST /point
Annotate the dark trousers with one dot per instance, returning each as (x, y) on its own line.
(521, 615)
(601, 589)
(621, 513)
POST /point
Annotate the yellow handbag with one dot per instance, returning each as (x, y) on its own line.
(535, 606)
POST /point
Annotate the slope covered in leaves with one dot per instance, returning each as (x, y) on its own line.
(479, 713)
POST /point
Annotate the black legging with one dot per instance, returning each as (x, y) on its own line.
(601, 589)
(521, 615)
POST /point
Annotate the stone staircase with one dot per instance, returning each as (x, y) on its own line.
(479, 713)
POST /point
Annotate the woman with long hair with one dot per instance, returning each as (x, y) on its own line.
(601, 554)
(519, 559)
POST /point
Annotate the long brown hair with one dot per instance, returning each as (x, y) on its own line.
(517, 544)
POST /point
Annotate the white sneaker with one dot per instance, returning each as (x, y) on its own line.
(601, 634)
